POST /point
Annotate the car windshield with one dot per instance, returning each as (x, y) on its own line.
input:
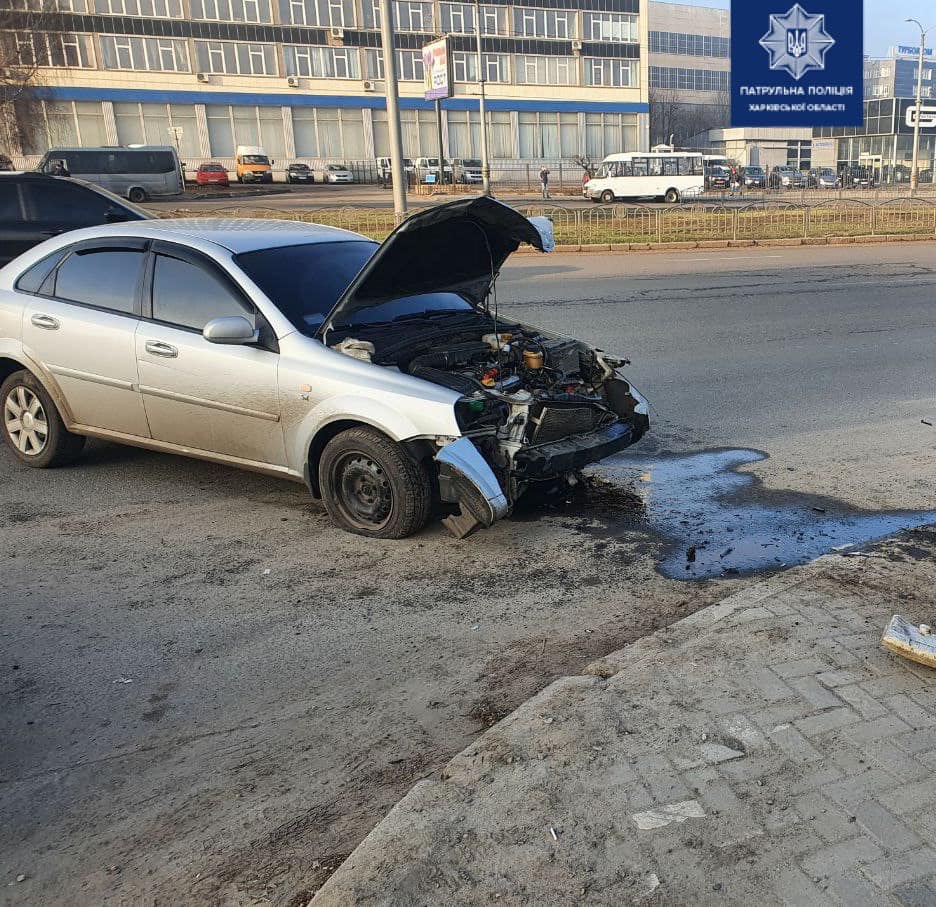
(298, 166)
(255, 159)
(212, 168)
(304, 282)
(471, 162)
(337, 167)
(756, 171)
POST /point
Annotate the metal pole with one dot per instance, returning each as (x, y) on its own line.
(485, 159)
(441, 147)
(393, 110)
(915, 166)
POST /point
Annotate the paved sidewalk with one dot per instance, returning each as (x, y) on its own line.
(764, 751)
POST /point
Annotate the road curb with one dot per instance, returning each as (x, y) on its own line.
(706, 245)
(688, 629)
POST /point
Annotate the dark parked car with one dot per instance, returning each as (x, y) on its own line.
(787, 177)
(719, 177)
(34, 207)
(753, 177)
(857, 178)
(299, 173)
(5, 163)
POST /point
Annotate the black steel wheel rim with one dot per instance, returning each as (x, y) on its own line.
(365, 495)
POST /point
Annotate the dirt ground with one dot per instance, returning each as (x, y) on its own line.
(211, 696)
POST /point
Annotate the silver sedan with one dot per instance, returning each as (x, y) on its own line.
(376, 374)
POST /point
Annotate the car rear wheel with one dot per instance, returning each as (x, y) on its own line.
(137, 195)
(31, 424)
(671, 197)
(372, 486)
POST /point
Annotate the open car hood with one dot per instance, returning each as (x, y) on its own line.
(458, 247)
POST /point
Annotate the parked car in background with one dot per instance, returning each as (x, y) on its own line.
(5, 163)
(376, 376)
(822, 178)
(856, 178)
(427, 170)
(752, 177)
(212, 173)
(385, 169)
(467, 170)
(786, 176)
(34, 207)
(719, 177)
(299, 173)
(337, 173)
(149, 171)
(253, 165)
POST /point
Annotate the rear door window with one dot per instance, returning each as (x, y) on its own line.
(60, 202)
(11, 210)
(104, 278)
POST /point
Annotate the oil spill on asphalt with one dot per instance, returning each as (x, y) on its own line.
(715, 521)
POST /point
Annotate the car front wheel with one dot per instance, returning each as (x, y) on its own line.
(372, 486)
(607, 196)
(32, 426)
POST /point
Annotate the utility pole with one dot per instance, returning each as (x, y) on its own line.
(915, 167)
(485, 159)
(397, 173)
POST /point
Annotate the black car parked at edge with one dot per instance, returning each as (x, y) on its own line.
(34, 206)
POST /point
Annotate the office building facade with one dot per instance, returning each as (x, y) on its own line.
(304, 78)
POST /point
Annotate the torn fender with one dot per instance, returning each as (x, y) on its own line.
(472, 485)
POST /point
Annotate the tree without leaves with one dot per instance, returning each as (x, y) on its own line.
(29, 39)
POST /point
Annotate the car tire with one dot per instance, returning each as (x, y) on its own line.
(671, 197)
(607, 197)
(371, 486)
(137, 195)
(20, 394)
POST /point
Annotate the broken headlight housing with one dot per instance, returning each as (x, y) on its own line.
(474, 412)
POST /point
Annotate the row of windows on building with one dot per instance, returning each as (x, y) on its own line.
(668, 42)
(672, 77)
(128, 52)
(410, 16)
(339, 133)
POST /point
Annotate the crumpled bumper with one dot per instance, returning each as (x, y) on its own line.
(575, 452)
(466, 479)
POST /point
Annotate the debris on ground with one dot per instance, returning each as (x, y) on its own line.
(916, 643)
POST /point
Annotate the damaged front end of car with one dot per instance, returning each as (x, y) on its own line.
(532, 406)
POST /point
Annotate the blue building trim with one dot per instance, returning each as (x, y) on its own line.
(375, 102)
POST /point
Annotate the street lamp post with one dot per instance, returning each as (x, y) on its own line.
(915, 166)
(482, 107)
(397, 173)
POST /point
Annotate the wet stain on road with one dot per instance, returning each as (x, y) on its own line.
(715, 521)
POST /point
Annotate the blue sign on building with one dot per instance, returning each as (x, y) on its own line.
(797, 64)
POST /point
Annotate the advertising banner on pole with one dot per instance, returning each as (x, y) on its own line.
(437, 63)
(797, 64)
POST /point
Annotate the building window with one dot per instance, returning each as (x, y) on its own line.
(408, 15)
(671, 77)
(164, 9)
(321, 13)
(541, 70)
(411, 65)
(603, 72)
(617, 27)
(665, 42)
(60, 50)
(235, 58)
(544, 23)
(231, 10)
(465, 66)
(321, 62)
(153, 54)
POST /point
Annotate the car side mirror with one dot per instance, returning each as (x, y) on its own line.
(234, 330)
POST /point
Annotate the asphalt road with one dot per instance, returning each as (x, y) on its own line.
(209, 696)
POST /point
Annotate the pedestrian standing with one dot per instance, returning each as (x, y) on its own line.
(544, 181)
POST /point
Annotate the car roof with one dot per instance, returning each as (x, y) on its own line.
(232, 233)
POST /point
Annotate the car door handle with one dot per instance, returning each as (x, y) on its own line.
(166, 350)
(46, 322)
